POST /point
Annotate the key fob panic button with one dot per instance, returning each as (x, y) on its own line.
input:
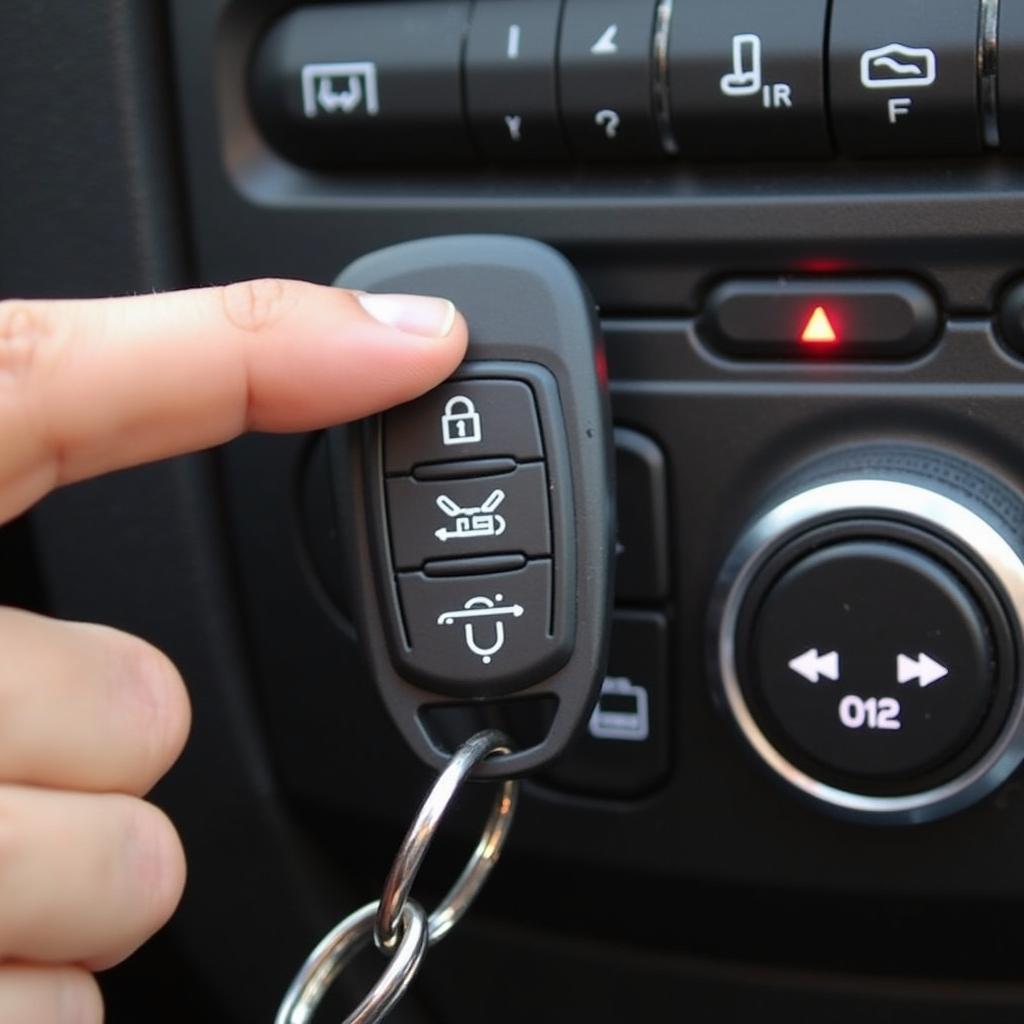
(485, 635)
(468, 419)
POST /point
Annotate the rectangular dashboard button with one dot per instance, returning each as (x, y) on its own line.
(605, 68)
(831, 318)
(363, 82)
(510, 79)
(624, 751)
(748, 78)
(904, 77)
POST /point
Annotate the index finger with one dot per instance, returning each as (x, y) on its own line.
(88, 386)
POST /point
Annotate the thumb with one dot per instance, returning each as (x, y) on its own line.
(93, 385)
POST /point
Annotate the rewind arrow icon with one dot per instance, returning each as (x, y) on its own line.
(813, 666)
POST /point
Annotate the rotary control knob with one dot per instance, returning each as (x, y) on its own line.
(868, 630)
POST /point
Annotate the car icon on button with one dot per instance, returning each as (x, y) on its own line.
(895, 66)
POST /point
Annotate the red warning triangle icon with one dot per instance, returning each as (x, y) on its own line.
(819, 328)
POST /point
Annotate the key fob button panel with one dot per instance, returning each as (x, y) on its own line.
(462, 623)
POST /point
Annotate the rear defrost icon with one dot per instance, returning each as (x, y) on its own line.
(895, 66)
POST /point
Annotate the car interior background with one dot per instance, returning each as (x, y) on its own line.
(802, 222)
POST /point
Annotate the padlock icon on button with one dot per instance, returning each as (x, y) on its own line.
(460, 423)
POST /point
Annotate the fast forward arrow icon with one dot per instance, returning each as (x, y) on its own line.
(922, 668)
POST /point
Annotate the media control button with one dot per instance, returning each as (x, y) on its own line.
(748, 78)
(606, 74)
(873, 659)
(904, 77)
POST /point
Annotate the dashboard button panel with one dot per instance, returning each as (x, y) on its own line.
(599, 79)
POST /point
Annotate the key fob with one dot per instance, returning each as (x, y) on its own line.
(479, 518)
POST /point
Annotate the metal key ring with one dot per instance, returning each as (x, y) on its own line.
(418, 839)
(333, 954)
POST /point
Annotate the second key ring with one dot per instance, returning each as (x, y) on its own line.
(387, 930)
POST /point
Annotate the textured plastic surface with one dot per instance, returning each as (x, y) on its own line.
(529, 318)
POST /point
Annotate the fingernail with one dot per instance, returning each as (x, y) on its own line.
(417, 314)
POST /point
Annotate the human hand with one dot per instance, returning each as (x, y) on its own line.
(90, 717)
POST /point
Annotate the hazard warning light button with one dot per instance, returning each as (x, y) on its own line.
(815, 318)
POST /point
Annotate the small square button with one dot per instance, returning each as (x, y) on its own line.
(467, 419)
(504, 514)
(480, 636)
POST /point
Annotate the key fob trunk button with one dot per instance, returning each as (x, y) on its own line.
(477, 636)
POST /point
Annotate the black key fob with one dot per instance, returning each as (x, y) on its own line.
(480, 517)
